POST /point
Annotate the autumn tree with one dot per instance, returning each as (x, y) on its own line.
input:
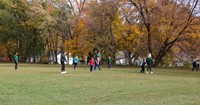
(131, 34)
(173, 19)
(102, 23)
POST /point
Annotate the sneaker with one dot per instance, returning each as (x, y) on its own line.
(147, 72)
(63, 72)
(151, 72)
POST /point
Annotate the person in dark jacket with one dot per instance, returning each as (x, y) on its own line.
(198, 66)
(143, 66)
(149, 61)
(63, 60)
(194, 65)
(109, 62)
(10, 56)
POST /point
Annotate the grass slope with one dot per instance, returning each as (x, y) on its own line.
(35, 84)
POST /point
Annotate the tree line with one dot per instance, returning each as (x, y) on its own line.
(41, 29)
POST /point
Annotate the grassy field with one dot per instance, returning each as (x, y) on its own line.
(35, 84)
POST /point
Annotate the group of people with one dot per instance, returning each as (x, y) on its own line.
(63, 60)
(93, 62)
(149, 62)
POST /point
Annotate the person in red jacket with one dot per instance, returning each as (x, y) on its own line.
(91, 64)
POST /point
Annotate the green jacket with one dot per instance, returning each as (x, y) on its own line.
(109, 61)
(149, 61)
(16, 58)
(99, 55)
(63, 58)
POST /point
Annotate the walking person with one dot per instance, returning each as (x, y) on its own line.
(63, 60)
(198, 66)
(89, 57)
(109, 62)
(88, 60)
(75, 62)
(10, 56)
(194, 65)
(97, 62)
(149, 61)
(99, 57)
(16, 60)
(91, 64)
(143, 66)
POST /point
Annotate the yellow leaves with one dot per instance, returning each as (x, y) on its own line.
(194, 36)
(132, 30)
(79, 44)
(2, 49)
(128, 35)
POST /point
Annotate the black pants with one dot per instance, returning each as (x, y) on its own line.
(91, 68)
(97, 65)
(16, 63)
(109, 65)
(142, 71)
(198, 66)
(149, 68)
(75, 65)
(194, 67)
(62, 66)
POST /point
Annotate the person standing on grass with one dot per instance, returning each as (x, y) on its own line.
(194, 65)
(91, 64)
(149, 61)
(88, 60)
(16, 60)
(62, 60)
(198, 66)
(99, 56)
(97, 62)
(75, 61)
(89, 57)
(143, 66)
(10, 56)
(109, 62)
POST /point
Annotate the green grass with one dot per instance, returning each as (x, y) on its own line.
(35, 84)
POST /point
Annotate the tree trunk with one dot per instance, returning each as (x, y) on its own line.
(163, 51)
(63, 41)
(159, 56)
(149, 39)
(113, 45)
(129, 58)
(113, 57)
(56, 48)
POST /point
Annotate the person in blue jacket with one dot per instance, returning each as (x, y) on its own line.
(75, 62)
(16, 60)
